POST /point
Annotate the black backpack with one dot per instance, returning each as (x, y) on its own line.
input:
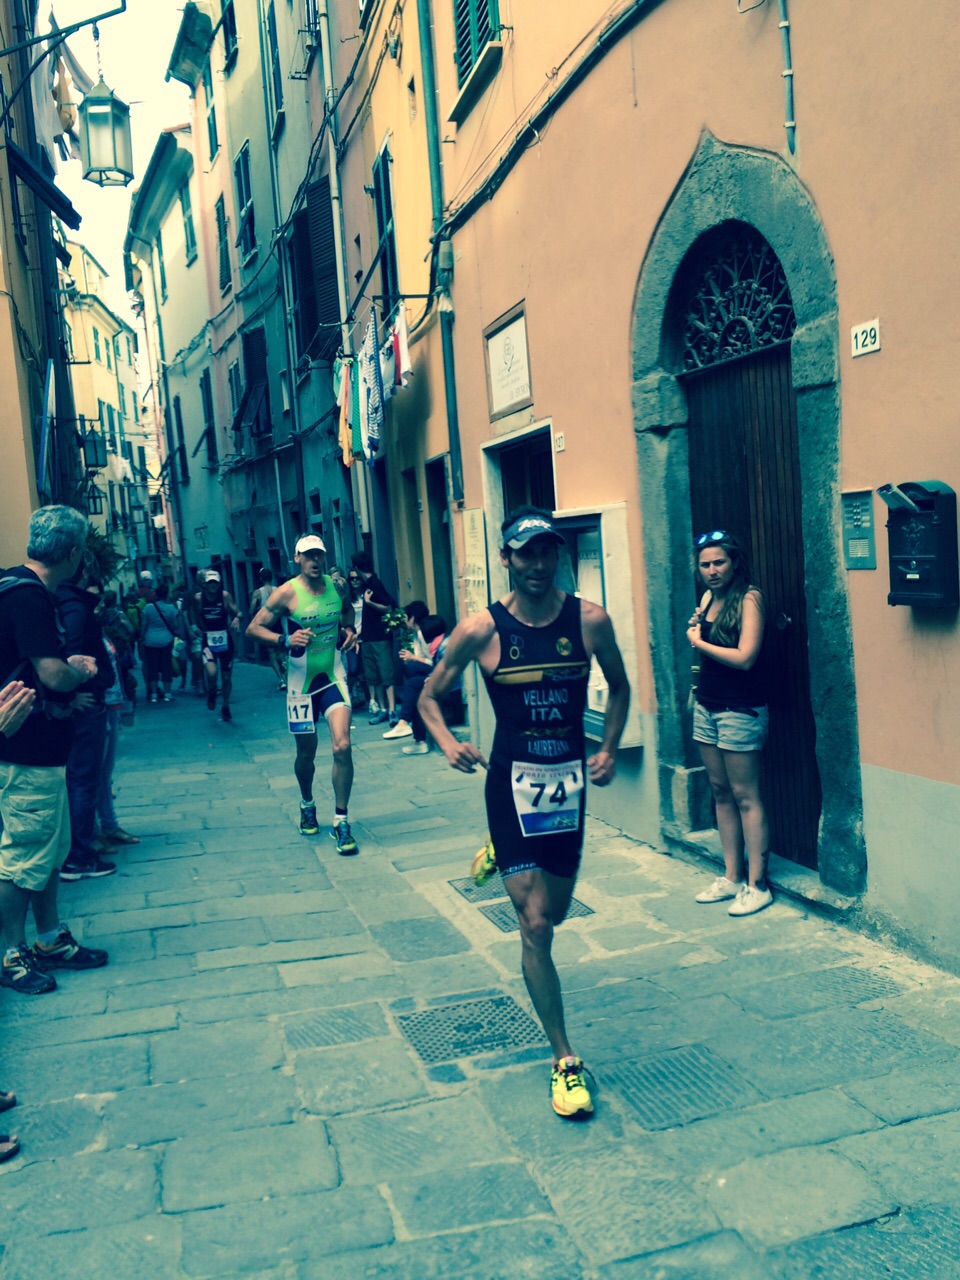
(9, 583)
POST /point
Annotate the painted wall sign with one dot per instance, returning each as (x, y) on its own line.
(865, 338)
(474, 573)
(508, 364)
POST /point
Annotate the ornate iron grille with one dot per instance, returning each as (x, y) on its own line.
(740, 303)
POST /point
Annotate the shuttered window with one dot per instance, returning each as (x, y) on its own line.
(276, 75)
(476, 23)
(247, 235)
(253, 415)
(209, 419)
(189, 235)
(223, 245)
(180, 445)
(213, 137)
(228, 25)
(304, 289)
(324, 254)
(387, 244)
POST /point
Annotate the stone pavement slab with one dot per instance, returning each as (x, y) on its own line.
(234, 1240)
(207, 1170)
(236, 1097)
(758, 1198)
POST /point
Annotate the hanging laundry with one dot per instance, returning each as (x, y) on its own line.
(342, 370)
(400, 340)
(371, 392)
(395, 363)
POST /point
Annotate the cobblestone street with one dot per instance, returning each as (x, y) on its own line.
(304, 1067)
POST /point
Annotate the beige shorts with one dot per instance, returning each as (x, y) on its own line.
(36, 824)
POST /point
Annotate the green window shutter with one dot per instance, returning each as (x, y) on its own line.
(476, 23)
(324, 254)
(304, 287)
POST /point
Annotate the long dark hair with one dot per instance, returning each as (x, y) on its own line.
(725, 628)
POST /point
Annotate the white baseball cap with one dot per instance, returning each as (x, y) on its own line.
(211, 576)
(145, 573)
(309, 542)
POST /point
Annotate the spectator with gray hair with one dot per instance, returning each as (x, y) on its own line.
(33, 791)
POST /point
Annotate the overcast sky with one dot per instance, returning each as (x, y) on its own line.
(135, 50)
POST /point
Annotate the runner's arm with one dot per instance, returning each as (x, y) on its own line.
(271, 613)
(231, 607)
(467, 642)
(602, 643)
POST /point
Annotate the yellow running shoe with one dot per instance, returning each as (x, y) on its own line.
(484, 865)
(570, 1096)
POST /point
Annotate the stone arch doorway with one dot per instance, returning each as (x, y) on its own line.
(758, 190)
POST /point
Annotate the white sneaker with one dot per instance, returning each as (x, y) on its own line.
(400, 730)
(750, 900)
(416, 749)
(720, 890)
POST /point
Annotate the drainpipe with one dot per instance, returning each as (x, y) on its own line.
(286, 293)
(790, 123)
(167, 419)
(445, 248)
(358, 480)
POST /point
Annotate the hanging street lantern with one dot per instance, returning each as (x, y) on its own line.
(106, 149)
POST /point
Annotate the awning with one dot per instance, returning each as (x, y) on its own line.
(22, 167)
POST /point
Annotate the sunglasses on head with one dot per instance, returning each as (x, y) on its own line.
(705, 539)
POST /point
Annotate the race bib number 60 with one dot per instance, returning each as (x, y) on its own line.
(547, 796)
(300, 714)
(217, 641)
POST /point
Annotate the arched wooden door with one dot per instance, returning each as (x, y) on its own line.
(745, 478)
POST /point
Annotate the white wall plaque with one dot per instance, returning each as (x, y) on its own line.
(508, 364)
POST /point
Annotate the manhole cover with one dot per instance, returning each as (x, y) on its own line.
(681, 1085)
(467, 889)
(504, 916)
(465, 1030)
(336, 1026)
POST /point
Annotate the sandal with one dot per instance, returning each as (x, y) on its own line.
(9, 1146)
(119, 836)
(7, 1100)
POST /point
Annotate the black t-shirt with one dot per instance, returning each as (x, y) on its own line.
(30, 628)
(373, 628)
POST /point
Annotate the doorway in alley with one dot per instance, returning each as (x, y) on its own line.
(438, 510)
(744, 468)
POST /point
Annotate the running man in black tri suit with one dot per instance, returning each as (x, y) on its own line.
(534, 648)
(218, 618)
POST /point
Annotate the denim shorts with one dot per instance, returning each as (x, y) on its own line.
(731, 730)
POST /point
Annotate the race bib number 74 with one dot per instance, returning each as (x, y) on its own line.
(547, 796)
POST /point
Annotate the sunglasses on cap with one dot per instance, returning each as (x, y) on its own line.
(705, 539)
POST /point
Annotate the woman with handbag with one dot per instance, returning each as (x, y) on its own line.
(731, 717)
(159, 633)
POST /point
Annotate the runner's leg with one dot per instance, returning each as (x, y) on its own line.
(338, 722)
(541, 901)
(303, 766)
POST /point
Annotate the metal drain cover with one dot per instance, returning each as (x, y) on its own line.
(681, 1085)
(468, 1029)
(504, 916)
(467, 889)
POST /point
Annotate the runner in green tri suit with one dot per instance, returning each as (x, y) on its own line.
(318, 628)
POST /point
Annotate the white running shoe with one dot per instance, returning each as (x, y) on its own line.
(416, 749)
(720, 890)
(400, 730)
(750, 900)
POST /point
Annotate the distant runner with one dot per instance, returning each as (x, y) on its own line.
(218, 618)
(319, 629)
(534, 648)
